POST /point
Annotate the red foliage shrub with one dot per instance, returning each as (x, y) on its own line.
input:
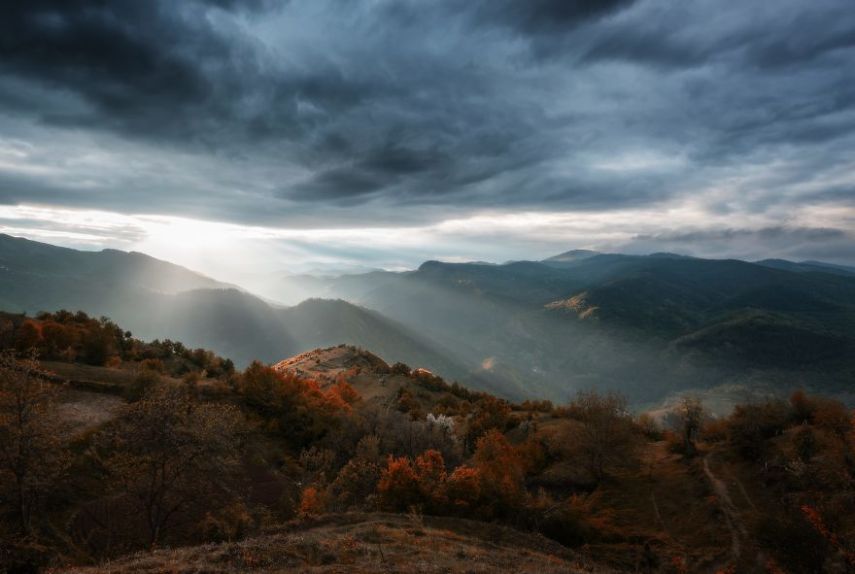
(311, 503)
(399, 485)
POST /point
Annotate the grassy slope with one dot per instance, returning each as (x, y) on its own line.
(363, 543)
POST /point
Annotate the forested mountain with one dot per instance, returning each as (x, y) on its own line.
(34, 273)
(155, 299)
(644, 325)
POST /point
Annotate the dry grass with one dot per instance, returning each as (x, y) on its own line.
(363, 543)
(99, 379)
(85, 410)
(96, 376)
(668, 502)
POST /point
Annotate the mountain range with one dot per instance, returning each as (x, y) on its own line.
(644, 325)
(156, 299)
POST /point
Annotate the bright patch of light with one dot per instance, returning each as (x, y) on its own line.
(251, 255)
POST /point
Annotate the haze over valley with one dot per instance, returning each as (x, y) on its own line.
(646, 326)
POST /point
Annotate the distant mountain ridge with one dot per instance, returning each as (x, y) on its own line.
(22, 256)
(644, 325)
(572, 255)
(156, 299)
(808, 266)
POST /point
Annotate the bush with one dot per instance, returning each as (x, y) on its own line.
(312, 502)
(144, 382)
(227, 524)
(750, 426)
(400, 369)
(793, 541)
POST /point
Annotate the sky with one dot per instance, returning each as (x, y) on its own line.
(251, 137)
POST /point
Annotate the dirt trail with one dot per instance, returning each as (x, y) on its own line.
(735, 524)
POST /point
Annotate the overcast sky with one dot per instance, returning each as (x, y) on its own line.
(251, 136)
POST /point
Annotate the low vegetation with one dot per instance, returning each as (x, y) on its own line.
(336, 459)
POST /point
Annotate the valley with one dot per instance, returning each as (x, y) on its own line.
(646, 326)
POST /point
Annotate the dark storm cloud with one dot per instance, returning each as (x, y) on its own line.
(162, 71)
(759, 38)
(533, 17)
(400, 111)
(555, 16)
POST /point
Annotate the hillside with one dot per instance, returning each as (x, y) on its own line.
(808, 266)
(334, 460)
(647, 326)
(159, 300)
(33, 265)
(369, 543)
(644, 325)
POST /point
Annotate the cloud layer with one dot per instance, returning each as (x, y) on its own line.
(644, 122)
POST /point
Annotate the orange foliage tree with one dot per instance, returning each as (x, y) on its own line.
(292, 405)
(463, 490)
(311, 502)
(399, 486)
(405, 483)
(502, 472)
(493, 488)
(492, 413)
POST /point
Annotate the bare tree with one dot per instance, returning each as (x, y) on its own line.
(32, 457)
(605, 437)
(167, 451)
(691, 413)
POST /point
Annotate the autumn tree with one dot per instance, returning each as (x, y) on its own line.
(357, 480)
(431, 476)
(294, 406)
(32, 456)
(501, 470)
(167, 453)
(463, 490)
(407, 483)
(832, 416)
(751, 425)
(311, 502)
(604, 437)
(691, 416)
(398, 486)
(492, 413)
(401, 435)
(802, 407)
(28, 336)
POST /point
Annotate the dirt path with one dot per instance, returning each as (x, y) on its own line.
(734, 522)
(743, 491)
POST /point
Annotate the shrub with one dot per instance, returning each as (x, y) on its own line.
(750, 426)
(604, 438)
(400, 369)
(399, 486)
(502, 471)
(463, 490)
(312, 502)
(144, 382)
